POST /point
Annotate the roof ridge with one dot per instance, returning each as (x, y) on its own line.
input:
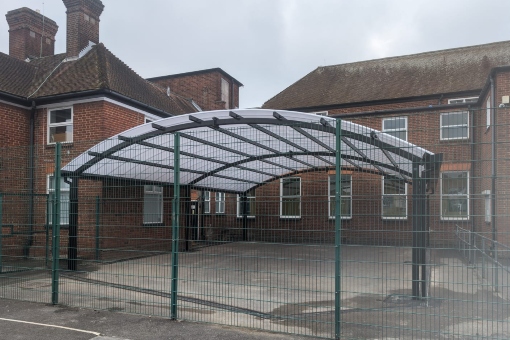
(414, 54)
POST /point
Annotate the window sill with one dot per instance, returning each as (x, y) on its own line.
(248, 217)
(332, 218)
(160, 224)
(453, 219)
(53, 145)
(394, 218)
(290, 217)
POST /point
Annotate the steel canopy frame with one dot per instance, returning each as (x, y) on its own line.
(329, 142)
(362, 147)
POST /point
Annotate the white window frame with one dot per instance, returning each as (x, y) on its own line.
(447, 218)
(488, 118)
(331, 198)
(62, 190)
(250, 194)
(488, 208)
(389, 131)
(321, 113)
(463, 100)
(290, 196)
(225, 92)
(207, 202)
(441, 125)
(398, 195)
(151, 190)
(50, 125)
(219, 202)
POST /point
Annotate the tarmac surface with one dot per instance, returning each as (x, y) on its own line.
(27, 321)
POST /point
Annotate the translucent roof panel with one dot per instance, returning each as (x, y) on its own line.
(240, 149)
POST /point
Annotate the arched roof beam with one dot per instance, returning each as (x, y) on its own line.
(377, 165)
(169, 167)
(189, 154)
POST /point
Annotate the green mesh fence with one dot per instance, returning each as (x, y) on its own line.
(300, 228)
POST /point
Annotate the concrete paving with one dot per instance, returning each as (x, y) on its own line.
(289, 289)
(42, 322)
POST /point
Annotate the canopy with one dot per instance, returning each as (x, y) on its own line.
(236, 150)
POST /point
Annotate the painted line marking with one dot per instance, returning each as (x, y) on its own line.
(54, 326)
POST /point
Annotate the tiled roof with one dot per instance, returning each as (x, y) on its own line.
(431, 73)
(99, 69)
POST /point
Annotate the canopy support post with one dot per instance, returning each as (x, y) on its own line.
(338, 226)
(419, 252)
(175, 228)
(244, 211)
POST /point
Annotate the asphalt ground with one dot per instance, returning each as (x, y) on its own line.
(37, 321)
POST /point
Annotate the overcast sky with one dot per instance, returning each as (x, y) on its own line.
(269, 44)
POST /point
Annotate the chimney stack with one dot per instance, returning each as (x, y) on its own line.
(30, 34)
(82, 24)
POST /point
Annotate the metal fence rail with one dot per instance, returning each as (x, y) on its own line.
(329, 251)
(489, 257)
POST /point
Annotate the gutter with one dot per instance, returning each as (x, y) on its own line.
(404, 110)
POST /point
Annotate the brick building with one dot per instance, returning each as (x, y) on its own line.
(78, 98)
(453, 102)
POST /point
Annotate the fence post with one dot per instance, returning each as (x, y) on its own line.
(338, 226)
(483, 259)
(175, 228)
(98, 202)
(46, 250)
(496, 269)
(56, 227)
(1, 228)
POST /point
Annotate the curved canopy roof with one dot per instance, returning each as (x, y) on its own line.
(237, 150)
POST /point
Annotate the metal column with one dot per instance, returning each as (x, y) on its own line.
(338, 227)
(55, 249)
(175, 228)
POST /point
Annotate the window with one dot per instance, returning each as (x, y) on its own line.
(64, 200)
(220, 202)
(86, 17)
(321, 113)
(207, 202)
(487, 198)
(395, 126)
(346, 192)
(32, 34)
(153, 204)
(290, 197)
(225, 89)
(463, 100)
(454, 195)
(454, 125)
(488, 105)
(250, 200)
(48, 41)
(394, 198)
(60, 125)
